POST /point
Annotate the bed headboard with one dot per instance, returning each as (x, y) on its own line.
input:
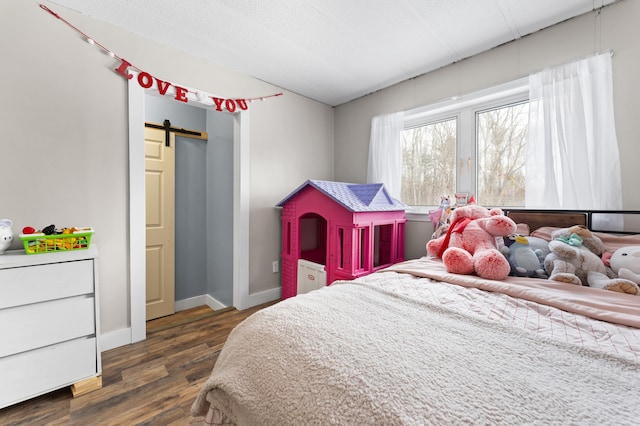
(538, 219)
(630, 219)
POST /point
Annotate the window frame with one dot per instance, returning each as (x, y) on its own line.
(464, 109)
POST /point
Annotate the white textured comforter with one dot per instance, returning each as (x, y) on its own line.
(392, 349)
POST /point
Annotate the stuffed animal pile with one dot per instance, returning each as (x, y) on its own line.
(470, 245)
(576, 258)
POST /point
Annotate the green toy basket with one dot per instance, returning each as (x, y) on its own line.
(41, 243)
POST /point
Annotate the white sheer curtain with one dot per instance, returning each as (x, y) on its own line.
(385, 152)
(572, 159)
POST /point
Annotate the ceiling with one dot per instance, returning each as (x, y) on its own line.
(333, 51)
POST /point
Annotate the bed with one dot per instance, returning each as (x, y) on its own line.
(414, 344)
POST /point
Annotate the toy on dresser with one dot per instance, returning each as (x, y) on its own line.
(6, 234)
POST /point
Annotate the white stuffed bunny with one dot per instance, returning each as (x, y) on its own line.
(6, 234)
(625, 263)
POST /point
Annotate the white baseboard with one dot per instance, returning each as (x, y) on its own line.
(206, 299)
(115, 339)
(122, 337)
(264, 296)
(194, 302)
(214, 303)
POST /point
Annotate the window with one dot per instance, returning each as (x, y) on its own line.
(473, 144)
(428, 162)
(572, 157)
(501, 136)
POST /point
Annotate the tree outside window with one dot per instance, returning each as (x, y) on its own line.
(429, 161)
(501, 138)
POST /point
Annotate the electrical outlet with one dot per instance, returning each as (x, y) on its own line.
(275, 266)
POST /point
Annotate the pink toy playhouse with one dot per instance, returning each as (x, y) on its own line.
(338, 231)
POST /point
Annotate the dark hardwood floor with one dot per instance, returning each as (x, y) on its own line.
(153, 382)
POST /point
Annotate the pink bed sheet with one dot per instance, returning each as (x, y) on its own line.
(617, 308)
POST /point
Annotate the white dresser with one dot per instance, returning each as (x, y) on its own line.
(49, 323)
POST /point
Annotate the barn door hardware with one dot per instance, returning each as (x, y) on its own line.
(166, 126)
(167, 131)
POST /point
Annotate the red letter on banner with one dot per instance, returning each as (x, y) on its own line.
(218, 103)
(242, 103)
(122, 69)
(145, 80)
(163, 86)
(231, 106)
(181, 94)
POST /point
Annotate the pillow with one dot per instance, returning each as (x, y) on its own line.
(523, 229)
(544, 232)
(615, 241)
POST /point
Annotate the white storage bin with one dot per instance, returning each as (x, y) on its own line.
(311, 276)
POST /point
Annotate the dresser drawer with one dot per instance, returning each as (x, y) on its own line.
(24, 285)
(40, 371)
(27, 327)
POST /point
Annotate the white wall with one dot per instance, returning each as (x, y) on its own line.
(64, 149)
(616, 28)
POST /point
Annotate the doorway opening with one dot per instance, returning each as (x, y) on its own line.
(137, 209)
(313, 238)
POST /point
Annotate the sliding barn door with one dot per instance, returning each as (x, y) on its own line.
(160, 227)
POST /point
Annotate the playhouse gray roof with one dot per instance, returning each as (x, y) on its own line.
(356, 197)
